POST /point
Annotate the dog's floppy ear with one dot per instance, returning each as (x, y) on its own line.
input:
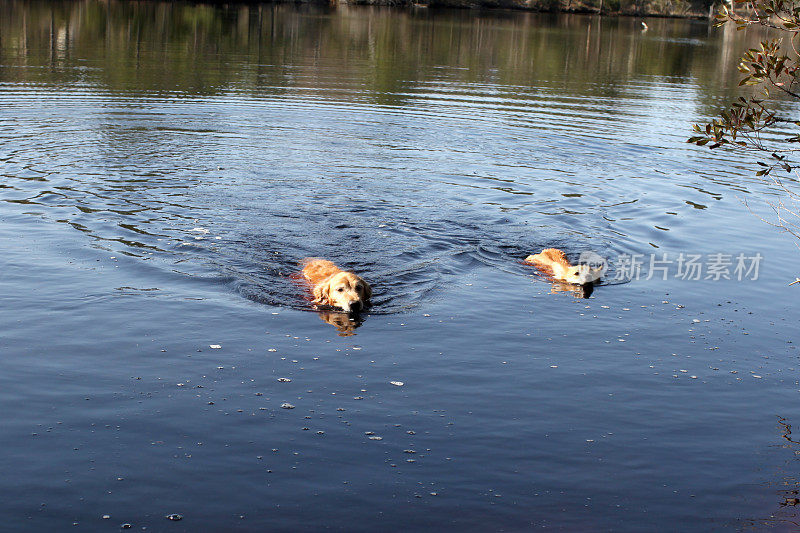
(367, 291)
(322, 292)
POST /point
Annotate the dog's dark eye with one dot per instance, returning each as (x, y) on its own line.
(340, 289)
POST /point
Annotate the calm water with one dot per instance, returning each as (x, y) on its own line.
(164, 167)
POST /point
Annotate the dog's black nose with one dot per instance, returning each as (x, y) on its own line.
(356, 306)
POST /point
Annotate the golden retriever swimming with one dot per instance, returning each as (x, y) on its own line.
(554, 263)
(335, 287)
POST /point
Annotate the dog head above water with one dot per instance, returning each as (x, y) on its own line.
(344, 290)
(581, 274)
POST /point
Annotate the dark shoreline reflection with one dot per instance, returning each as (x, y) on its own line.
(788, 492)
(387, 54)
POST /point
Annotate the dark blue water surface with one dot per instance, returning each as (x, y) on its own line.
(165, 166)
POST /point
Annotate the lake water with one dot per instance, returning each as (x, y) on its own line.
(165, 167)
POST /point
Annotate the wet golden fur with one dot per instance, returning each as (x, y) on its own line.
(335, 287)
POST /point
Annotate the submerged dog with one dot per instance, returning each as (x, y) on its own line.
(334, 287)
(554, 263)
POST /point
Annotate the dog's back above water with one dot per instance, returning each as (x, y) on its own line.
(335, 287)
